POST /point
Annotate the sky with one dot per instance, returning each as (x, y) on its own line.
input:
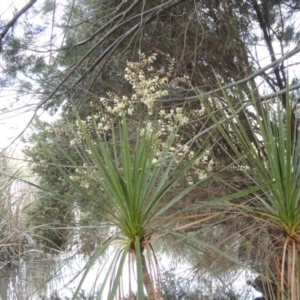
(13, 123)
(7, 125)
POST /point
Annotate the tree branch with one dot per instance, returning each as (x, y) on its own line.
(151, 15)
(12, 22)
(273, 65)
(119, 16)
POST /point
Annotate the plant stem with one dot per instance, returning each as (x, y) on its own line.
(147, 280)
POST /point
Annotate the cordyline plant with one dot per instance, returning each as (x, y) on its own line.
(129, 171)
(128, 183)
(270, 156)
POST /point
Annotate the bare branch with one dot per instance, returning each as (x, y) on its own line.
(11, 23)
(151, 15)
(119, 16)
(272, 65)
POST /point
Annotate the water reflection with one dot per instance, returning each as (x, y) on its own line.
(41, 278)
(56, 278)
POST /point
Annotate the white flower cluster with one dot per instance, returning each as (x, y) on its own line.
(150, 84)
(54, 130)
(202, 167)
(83, 175)
(238, 168)
(120, 106)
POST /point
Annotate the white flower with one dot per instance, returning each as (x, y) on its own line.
(210, 165)
(201, 174)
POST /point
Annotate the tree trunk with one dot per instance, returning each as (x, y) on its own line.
(147, 280)
(292, 272)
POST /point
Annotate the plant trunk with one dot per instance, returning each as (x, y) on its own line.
(147, 280)
(288, 274)
(292, 272)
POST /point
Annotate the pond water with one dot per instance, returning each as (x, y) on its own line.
(57, 277)
(43, 278)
